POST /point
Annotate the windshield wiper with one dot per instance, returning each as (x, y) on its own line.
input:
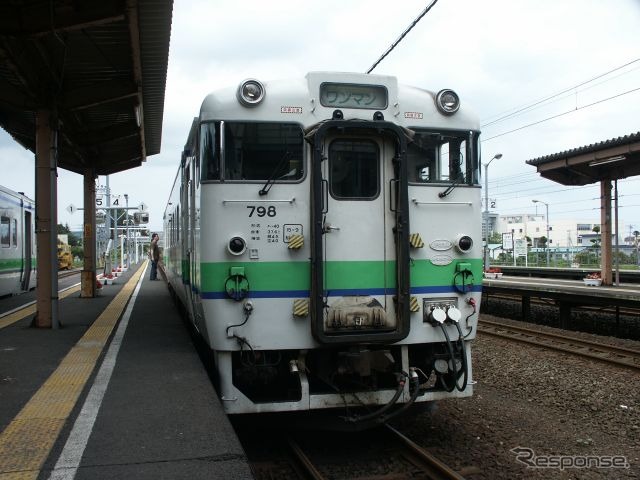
(267, 186)
(452, 186)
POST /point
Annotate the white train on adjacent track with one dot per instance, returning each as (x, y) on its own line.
(324, 236)
(17, 243)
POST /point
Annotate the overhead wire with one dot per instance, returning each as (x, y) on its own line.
(401, 37)
(561, 114)
(500, 184)
(502, 192)
(524, 108)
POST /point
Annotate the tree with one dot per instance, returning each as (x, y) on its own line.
(495, 237)
(74, 241)
(542, 242)
(596, 241)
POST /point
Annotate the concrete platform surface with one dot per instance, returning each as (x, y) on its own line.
(148, 409)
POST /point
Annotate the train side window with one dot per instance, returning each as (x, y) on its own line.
(5, 227)
(210, 150)
(354, 170)
(14, 233)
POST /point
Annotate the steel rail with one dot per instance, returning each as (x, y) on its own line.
(433, 466)
(68, 273)
(563, 343)
(309, 468)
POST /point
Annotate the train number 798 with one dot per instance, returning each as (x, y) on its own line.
(262, 211)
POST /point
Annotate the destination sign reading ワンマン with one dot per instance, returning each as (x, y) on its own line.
(346, 95)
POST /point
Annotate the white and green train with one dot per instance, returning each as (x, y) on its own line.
(17, 243)
(324, 236)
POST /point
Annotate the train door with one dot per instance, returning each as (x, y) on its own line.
(187, 236)
(194, 233)
(363, 273)
(27, 242)
(191, 241)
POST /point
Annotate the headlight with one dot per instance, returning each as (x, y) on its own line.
(464, 243)
(250, 92)
(447, 101)
(237, 246)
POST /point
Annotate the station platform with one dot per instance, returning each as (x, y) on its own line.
(565, 294)
(117, 392)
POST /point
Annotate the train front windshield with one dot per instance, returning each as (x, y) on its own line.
(437, 157)
(251, 151)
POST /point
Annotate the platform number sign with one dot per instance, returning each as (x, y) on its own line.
(101, 201)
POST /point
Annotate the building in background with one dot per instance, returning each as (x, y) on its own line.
(562, 232)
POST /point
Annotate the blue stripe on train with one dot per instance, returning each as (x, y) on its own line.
(337, 293)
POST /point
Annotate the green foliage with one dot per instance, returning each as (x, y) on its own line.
(74, 241)
(495, 237)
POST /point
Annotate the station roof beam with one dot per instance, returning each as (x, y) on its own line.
(100, 66)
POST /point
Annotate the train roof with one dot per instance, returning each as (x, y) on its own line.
(11, 193)
(297, 100)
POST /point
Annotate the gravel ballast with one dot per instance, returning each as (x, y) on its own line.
(556, 407)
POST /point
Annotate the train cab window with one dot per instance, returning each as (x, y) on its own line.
(354, 170)
(251, 151)
(5, 227)
(263, 151)
(442, 158)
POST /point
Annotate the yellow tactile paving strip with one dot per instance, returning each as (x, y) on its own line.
(31, 309)
(25, 444)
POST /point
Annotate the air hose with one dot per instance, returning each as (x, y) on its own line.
(463, 353)
(449, 388)
(401, 382)
(414, 388)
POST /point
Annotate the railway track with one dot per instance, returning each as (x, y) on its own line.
(68, 273)
(387, 454)
(619, 356)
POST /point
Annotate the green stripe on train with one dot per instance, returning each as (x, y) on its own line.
(11, 264)
(274, 276)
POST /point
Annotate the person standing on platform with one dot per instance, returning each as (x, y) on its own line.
(154, 255)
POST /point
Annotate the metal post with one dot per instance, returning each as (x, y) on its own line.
(486, 216)
(497, 156)
(108, 264)
(615, 199)
(547, 218)
(126, 217)
(548, 239)
(121, 252)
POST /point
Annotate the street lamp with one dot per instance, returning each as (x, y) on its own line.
(547, 218)
(497, 156)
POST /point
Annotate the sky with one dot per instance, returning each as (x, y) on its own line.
(544, 76)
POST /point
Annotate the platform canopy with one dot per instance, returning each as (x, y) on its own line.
(99, 67)
(613, 159)
(603, 162)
